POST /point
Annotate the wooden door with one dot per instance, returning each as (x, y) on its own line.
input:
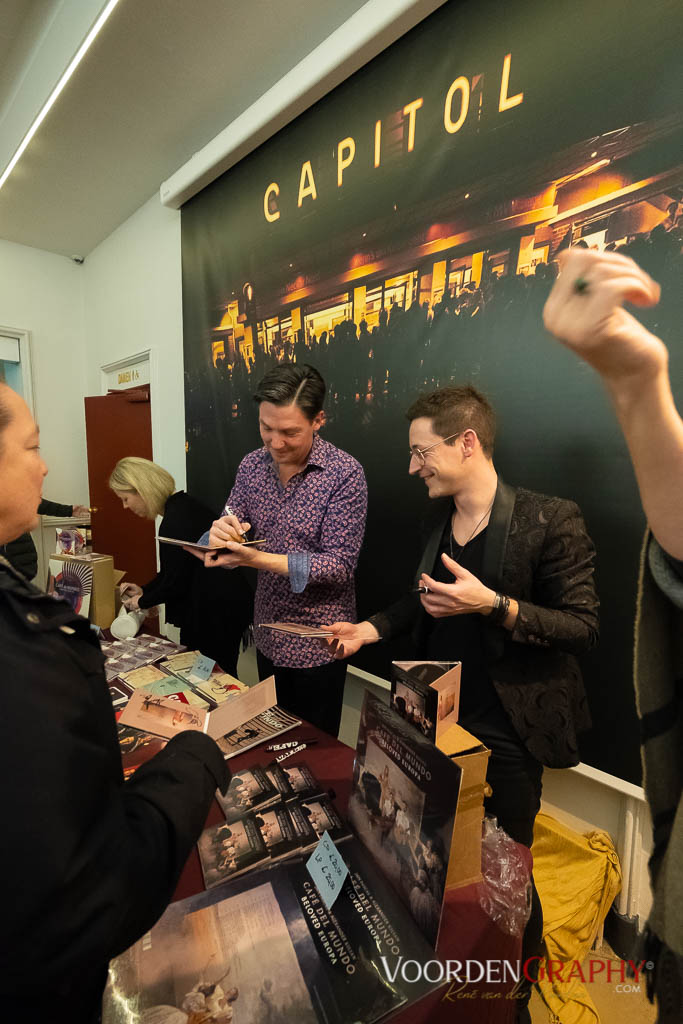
(117, 425)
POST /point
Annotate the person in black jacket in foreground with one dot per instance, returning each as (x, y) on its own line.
(21, 552)
(211, 609)
(88, 862)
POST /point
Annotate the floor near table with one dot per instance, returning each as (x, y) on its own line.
(614, 1005)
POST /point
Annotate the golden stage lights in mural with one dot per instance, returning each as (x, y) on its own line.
(456, 109)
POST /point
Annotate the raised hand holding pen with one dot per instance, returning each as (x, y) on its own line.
(467, 595)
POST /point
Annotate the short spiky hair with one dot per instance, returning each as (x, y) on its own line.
(453, 410)
(296, 383)
(153, 483)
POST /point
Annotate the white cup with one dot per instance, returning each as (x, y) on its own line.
(127, 623)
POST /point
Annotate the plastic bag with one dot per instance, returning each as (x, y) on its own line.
(505, 890)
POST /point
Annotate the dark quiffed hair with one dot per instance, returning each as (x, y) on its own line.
(293, 383)
(453, 410)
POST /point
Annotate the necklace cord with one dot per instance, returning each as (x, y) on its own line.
(463, 546)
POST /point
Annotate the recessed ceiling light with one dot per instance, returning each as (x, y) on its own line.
(47, 106)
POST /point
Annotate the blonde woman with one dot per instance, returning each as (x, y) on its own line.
(212, 610)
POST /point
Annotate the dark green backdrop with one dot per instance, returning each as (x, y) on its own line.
(591, 74)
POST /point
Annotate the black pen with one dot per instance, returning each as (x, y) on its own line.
(289, 745)
(229, 512)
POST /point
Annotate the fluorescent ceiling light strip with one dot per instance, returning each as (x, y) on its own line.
(47, 106)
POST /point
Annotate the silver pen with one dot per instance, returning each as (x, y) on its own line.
(227, 511)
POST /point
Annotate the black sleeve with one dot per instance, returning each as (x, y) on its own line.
(91, 862)
(53, 508)
(174, 579)
(162, 811)
(398, 618)
(564, 610)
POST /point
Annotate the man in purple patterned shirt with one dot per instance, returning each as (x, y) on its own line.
(308, 500)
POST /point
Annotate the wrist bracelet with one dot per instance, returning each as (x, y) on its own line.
(501, 607)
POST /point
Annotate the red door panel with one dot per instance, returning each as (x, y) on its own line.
(116, 425)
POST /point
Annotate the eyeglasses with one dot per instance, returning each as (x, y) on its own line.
(419, 453)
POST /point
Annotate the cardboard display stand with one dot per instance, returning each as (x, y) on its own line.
(104, 580)
(464, 865)
(427, 694)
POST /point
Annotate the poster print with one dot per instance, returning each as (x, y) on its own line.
(402, 235)
(211, 961)
(402, 808)
(73, 582)
(265, 949)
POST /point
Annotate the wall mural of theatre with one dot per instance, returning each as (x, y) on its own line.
(402, 235)
(392, 317)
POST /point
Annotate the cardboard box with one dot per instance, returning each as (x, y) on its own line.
(464, 864)
(102, 611)
(118, 576)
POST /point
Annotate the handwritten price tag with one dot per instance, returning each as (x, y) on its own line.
(203, 666)
(327, 870)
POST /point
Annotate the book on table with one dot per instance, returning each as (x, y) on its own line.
(289, 824)
(265, 948)
(250, 789)
(294, 780)
(262, 945)
(161, 715)
(402, 807)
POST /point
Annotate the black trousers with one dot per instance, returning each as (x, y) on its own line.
(223, 645)
(315, 694)
(515, 801)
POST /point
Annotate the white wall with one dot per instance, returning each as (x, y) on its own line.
(43, 293)
(133, 301)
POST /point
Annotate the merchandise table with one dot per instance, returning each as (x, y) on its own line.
(467, 933)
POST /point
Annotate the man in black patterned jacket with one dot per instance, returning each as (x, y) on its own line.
(507, 589)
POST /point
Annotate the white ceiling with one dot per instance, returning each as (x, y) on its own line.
(160, 81)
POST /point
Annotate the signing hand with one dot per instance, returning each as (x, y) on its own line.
(585, 311)
(225, 529)
(465, 596)
(349, 637)
(227, 532)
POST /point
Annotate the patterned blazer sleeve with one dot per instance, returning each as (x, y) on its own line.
(563, 612)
